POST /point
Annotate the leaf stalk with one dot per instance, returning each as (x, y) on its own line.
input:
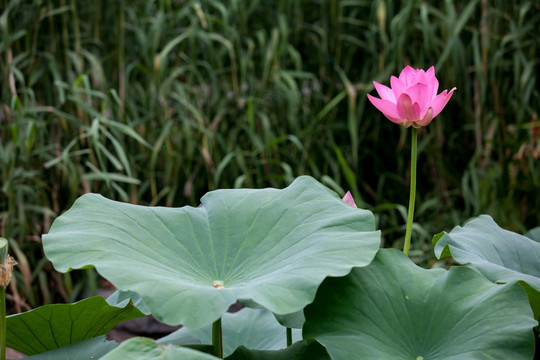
(289, 336)
(2, 323)
(217, 339)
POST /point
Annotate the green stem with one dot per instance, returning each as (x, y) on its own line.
(412, 194)
(217, 340)
(2, 323)
(289, 336)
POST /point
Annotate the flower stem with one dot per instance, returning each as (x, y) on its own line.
(289, 336)
(217, 340)
(412, 193)
(2, 323)
(6, 265)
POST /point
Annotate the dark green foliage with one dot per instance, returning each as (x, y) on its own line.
(157, 102)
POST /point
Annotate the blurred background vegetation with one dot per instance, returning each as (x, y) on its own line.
(157, 102)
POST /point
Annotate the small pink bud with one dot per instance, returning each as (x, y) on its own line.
(349, 199)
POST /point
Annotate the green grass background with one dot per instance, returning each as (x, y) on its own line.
(158, 102)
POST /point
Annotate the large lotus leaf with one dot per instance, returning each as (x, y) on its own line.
(393, 309)
(121, 298)
(534, 299)
(500, 255)
(272, 247)
(91, 349)
(50, 327)
(294, 320)
(534, 234)
(298, 351)
(255, 329)
(140, 348)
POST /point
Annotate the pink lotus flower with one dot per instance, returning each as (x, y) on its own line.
(413, 98)
(349, 199)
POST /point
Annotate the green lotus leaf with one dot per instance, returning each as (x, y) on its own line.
(121, 298)
(393, 309)
(53, 326)
(298, 351)
(256, 329)
(534, 299)
(500, 255)
(294, 320)
(534, 234)
(140, 348)
(270, 247)
(91, 349)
